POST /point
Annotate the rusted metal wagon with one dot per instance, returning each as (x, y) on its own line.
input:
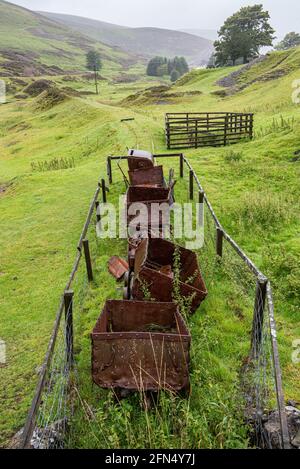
(150, 177)
(139, 159)
(155, 268)
(148, 196)
(141, 346)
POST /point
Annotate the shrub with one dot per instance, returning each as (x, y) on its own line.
(261, 210)
(53, 165)
(233, 156)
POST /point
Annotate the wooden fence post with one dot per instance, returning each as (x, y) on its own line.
(168, 135)
(201, 197)
(103, 186)
(196, 133)
(251, 127)
(191, 185)
(181, 165)
(109, 170)
(98, 216)
(219, 242)
(258, 316)
(88, 260)
(68, 301)
(226, 130)
(201, 208)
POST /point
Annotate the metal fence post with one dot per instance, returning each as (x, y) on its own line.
(258, 316)
(68, 301)
(88, 261)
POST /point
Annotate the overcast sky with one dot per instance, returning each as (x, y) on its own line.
(173, 14)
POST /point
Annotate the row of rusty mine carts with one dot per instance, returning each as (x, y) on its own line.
(142, 343)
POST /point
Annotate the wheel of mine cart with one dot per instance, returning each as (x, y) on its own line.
(128, 282)
(126, 278)
(130, 285)
(125, 293)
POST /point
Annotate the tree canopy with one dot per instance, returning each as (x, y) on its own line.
(161, 66)
(290, 40)
(175, 75)
(243, 34)
(93, 60)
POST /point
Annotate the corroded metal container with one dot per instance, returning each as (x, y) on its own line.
(139, 159)
(150, 177)
(141, 346)
(155, 270)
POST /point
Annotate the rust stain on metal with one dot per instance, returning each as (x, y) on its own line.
(139, 159)
(141, 346)
(117, 267)
(149, 196)
(151, 258)
(151, 177)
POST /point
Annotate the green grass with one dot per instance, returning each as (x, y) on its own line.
(256, 197)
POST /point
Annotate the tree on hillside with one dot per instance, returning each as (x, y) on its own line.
(243, 34)
(154, 66)
(290, 40)
(212, 61)
(178, 63)
(175, 75)
(93, 62)
(161, 66)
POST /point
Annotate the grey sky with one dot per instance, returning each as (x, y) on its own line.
(173, 14)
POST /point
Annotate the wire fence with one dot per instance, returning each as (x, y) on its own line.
(260, 376)
(48, 421)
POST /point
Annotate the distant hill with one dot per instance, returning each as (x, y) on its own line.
(31, 45)
(142, 41)
(210, 34)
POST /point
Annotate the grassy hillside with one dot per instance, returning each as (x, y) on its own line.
(254, 187)
(31, 45)
(146, 42)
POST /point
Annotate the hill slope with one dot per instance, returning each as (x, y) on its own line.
(31, 44)
(142, 41)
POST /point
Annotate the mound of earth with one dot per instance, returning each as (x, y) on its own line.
(18, 64)
(264, 68)
(49, 98)
(37, 87)
(163, 94)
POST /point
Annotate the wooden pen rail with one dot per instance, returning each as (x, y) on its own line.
(195, 130)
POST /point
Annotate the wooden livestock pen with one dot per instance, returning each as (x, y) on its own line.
(206, 129)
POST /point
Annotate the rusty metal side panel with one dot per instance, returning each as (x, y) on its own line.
(148, 194)
(124, 355)
(139, 159)
(151, 256)
(147, 177)
(117, 267)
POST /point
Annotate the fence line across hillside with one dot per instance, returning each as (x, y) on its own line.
(204, 129)
(48, 415)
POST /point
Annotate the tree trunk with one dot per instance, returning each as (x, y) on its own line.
(96, 80)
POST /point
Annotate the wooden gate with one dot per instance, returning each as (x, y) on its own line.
(204, 129)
